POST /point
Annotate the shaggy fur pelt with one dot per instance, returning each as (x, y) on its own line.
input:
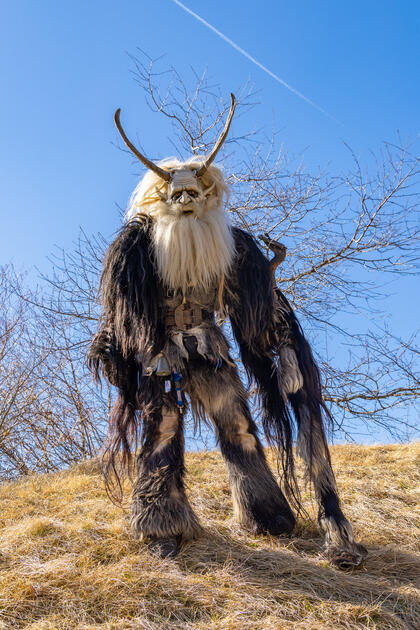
(276, 356)
(251, 305)
(132, 331)
(132, 298)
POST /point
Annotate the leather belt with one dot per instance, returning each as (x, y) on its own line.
(186, 316)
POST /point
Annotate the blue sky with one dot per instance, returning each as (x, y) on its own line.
(65, 68)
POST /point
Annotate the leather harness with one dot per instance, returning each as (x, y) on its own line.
(187, 315)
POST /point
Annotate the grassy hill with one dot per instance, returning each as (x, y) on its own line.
(67, 559)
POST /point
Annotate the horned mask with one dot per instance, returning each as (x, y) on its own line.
(185, 192)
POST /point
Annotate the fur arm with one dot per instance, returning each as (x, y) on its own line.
(132, 323)
(250, 299)
(262, 319)
(249, 295)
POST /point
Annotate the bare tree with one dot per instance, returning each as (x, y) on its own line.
(347, 236)
(51, 413)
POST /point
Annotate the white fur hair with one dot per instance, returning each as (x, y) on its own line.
(191, 251)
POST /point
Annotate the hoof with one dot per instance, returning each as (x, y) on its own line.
(165, 547)
(347, 557)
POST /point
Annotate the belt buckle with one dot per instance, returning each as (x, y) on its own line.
(187, 317)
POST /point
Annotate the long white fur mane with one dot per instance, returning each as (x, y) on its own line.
(190, 251)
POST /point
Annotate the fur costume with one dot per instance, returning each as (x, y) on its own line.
(173, 267)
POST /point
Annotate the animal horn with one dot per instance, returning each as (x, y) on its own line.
(148, 163)
(220, 140)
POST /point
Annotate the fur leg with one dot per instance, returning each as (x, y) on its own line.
(160, 507)
(340, 546)
(259, 504)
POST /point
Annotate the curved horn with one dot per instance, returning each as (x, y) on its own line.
(159, 171)
(220, 140)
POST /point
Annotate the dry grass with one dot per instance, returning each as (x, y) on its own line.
(67, 559)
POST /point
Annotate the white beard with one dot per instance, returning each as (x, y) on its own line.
(192, 251)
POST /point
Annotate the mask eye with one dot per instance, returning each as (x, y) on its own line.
(192, 193)
(176, 196)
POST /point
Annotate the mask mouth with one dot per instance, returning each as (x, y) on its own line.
(188, 212)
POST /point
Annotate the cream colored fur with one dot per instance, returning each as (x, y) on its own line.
(291, 379)
(191, 250)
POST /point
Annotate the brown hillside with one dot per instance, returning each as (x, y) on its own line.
(67, 559)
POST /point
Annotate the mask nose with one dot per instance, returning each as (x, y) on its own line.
(184, 198)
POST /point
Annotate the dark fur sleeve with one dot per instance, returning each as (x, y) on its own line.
(250, 299)
(249, 295)
(263, 322)
(132, 323)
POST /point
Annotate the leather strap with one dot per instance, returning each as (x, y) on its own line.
(186, 316)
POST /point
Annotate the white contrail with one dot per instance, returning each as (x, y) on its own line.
(257, 63)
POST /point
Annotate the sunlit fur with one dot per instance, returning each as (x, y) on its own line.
(133, 331)
(191, 250)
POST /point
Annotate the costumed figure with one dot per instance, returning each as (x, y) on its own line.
(174, 266)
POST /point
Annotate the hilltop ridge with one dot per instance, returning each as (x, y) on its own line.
(68, 560)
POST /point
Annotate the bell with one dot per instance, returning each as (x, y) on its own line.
(162, 368)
